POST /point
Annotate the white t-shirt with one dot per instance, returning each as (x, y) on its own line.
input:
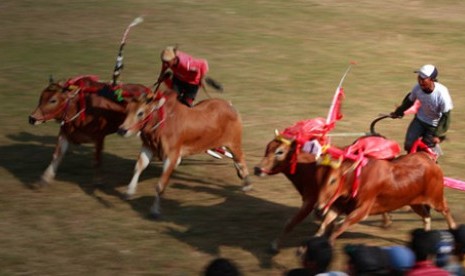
(433, 105)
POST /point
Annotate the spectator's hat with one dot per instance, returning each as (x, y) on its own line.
(401, 258)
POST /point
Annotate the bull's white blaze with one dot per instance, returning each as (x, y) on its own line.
(62, 147)
(144, 159)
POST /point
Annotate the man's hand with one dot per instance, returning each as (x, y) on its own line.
(396, 115)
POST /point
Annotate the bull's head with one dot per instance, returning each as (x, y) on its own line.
(141, 113)
(277, 157)
(329, 173)
(52, 103)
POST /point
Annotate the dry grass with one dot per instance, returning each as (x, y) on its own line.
(279, 61)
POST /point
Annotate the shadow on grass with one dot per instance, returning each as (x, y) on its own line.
(241, 220)
(27, 159)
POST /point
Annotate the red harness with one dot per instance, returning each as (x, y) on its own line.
(365, 148)
(304, 131)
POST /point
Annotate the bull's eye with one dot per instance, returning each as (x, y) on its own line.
(279, 153)
(332, 181)
(140, 114)
(52, 101)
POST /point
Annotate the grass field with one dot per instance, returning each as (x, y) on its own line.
(279, 61)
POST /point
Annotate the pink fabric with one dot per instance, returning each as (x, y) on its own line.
(454, 183)
(334, 113)
(307, 130)
(189, 69)
(365, 147)
(79, 79)
(374, 147)
(413, 109)
(317, 128)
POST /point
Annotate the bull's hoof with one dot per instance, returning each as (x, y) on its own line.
(387, 225)
(247, 188)
(154, 212)
(38, 185)
(128, 196)
(274, 248)
(155, 216)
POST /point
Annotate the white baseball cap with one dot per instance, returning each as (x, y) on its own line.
(427, 71)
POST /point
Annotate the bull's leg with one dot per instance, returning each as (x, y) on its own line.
(241, 168)
(60, 150)
(303, 212)
(98, 161)
(387, 220)
(330, 216)
(424, 212)
(145, 157)
(355, 216)
(170, 163)
(445, 211)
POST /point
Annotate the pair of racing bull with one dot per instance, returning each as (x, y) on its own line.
(170, 131)
(365, 178)
(89, 110)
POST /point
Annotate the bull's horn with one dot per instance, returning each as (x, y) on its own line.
(276, 132)
(161, 102)
(50, 79)
(75, 92)
(336, 164)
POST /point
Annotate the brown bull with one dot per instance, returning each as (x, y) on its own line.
(278, 158)
(170, 130)
(414, 179)
(84, 115)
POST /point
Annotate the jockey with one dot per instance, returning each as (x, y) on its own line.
(433, 117)
(188, 73)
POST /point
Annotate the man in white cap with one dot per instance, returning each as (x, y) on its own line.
(188, 73)
(432, 119)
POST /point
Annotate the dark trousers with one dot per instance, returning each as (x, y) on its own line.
(186, 91)
(418, 129)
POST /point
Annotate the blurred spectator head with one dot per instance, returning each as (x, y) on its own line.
(444, 248)
(424, 243)
(401, 258)
(459, 237)
(316, 254)
(367, 260)
(222, 267)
